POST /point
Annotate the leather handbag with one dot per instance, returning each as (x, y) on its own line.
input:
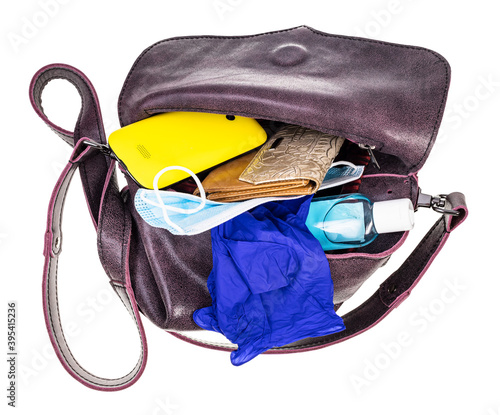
(387, 98)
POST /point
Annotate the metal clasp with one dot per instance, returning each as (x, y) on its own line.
(436, 203)
(103, 148)
(371, 153)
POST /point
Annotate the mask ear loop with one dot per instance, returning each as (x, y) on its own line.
(164, 207)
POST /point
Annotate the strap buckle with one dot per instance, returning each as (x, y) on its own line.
(436, 203)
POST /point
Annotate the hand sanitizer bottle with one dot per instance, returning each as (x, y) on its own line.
(353, 221)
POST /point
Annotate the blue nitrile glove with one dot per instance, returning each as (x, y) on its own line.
(270, 283)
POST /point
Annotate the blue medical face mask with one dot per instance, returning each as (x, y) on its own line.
(186, 214)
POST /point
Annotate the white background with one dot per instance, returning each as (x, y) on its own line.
(450, 364)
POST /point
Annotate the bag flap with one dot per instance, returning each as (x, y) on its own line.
(376, 93)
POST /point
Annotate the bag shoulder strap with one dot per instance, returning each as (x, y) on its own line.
(98, 176)
(122, 286)
(89, 124)
(390, 294)
(398, 286)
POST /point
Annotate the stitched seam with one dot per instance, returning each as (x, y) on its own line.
(440, 59)
(420, 268)
(141, 357)
(37, 92)
(184, 38)
(99, 240)
(124, 287)
(360, 258)
(123, 264)
(412, 181)
(257, 35)
(279, 189)
(124, 245)
(325, 35)
(44, 84)
(203, 342)
(422, 264)
(197, 342)
(323, 342)
(77, 127)
(282, 184)
(138, 364)
(440, 110)
(66, 138)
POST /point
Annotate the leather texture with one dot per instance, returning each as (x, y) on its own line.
(223, 184)
(122, 286)
(391, 293)
(293, 153)
(381, 94)
(293, 162)
(385, 95)
(89, 124)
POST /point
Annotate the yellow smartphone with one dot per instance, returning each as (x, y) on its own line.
(195, 140)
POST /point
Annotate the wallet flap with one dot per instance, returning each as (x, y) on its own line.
(222, 183)
(293, 152)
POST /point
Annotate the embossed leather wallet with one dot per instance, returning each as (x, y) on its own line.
(292, 163)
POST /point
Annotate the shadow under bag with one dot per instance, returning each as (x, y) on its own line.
(386, 98)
